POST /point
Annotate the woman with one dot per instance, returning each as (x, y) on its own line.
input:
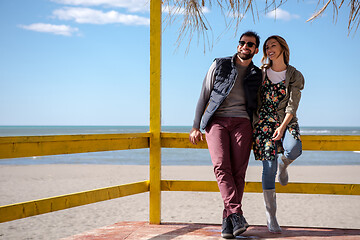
(276, 128)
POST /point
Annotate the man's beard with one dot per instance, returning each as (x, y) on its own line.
(245, 56)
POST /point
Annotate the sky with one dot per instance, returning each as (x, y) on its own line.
(86, 62)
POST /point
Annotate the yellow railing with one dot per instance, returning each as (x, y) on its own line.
(309, 142)
(41, 206)
(13, 147)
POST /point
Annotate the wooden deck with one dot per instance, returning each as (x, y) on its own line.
(194, 231)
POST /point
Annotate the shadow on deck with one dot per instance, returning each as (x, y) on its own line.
(191, 231)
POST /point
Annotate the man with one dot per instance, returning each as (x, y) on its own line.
(226, 105)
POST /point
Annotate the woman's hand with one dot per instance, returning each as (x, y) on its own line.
(195, 136)
(279, 133)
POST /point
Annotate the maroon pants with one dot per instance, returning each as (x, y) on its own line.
(229, 141)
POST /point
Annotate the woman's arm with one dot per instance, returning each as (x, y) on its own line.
(295, 86)
(295, 94)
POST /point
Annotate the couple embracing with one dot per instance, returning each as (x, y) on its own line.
(241, 106)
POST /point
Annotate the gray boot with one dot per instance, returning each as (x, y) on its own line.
(283, 173)
(270, 205)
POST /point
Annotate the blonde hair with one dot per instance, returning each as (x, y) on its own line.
(285, 48)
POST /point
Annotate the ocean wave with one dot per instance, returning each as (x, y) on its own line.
(329, 131)
(315, 132)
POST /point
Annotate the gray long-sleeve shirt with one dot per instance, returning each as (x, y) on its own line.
(234, 103)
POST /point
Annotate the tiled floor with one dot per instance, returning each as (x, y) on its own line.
(193, 231)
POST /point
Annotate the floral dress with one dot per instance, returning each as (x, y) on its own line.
(271, 95)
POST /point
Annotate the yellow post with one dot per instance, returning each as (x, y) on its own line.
(155, 111)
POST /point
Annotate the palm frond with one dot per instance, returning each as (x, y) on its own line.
(354, 15)
(194, 20)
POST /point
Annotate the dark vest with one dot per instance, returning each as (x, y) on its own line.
(225, 76)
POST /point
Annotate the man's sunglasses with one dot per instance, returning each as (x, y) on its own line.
(249, 44)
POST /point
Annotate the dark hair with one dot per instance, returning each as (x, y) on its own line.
(252, 34)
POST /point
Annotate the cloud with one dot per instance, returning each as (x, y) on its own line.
(130, 5)
(87, 15)
(180, 11)
(231, 14)
(282, 15)
(50, 28)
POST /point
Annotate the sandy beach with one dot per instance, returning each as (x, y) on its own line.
(31, 182)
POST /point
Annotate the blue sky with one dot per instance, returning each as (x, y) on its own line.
(83, 62)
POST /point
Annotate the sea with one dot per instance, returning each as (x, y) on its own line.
(170, 156)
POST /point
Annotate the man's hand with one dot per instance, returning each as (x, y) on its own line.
(195, 136)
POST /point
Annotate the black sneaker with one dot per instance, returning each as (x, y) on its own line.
(245, 222)
(238, 223)
(227, 228)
